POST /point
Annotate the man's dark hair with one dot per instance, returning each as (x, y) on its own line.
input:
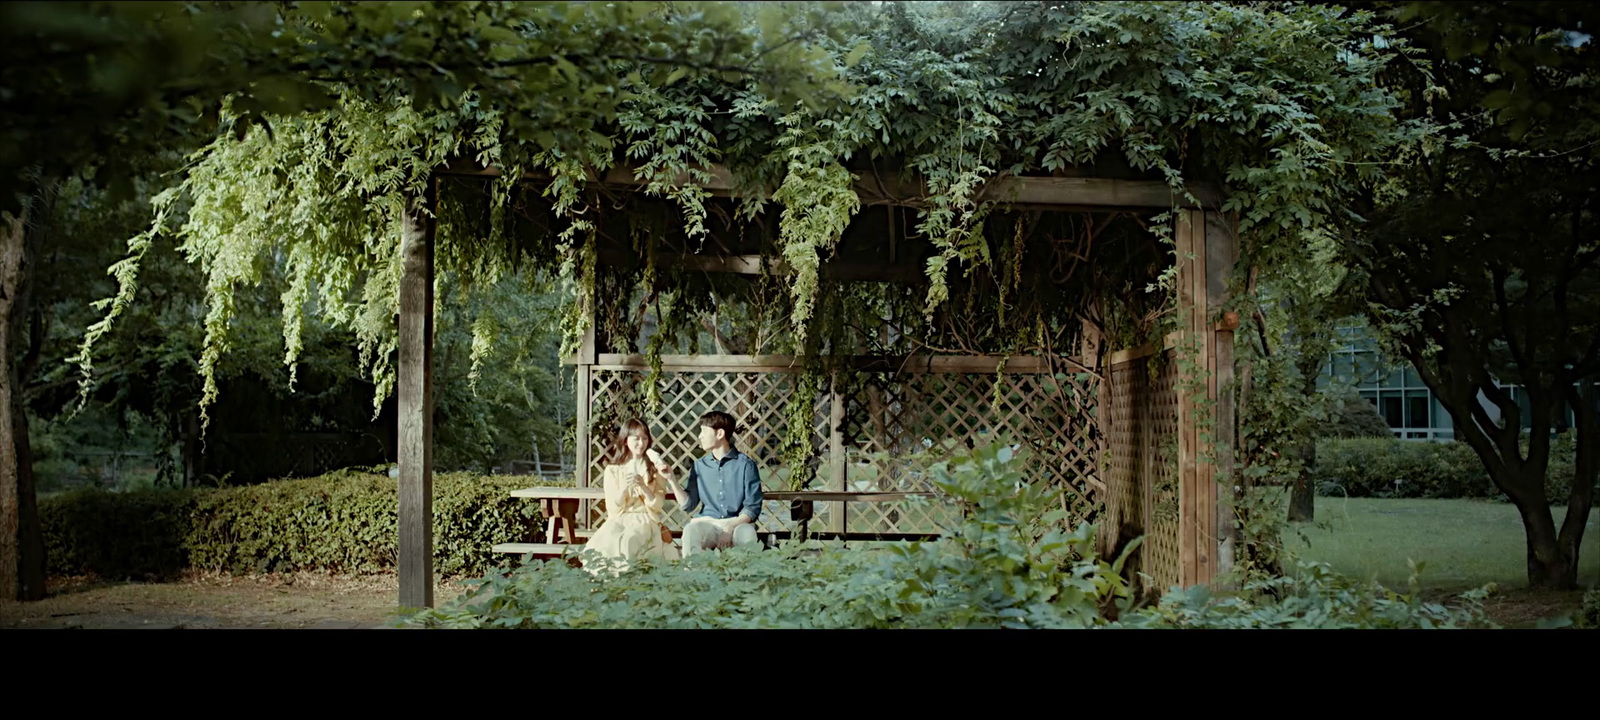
(718, 420)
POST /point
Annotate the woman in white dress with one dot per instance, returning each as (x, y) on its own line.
(636, 482)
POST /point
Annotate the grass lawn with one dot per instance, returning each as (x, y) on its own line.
(1465, 543)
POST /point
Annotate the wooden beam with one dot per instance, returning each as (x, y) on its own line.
(1096, 192)
(1123, 357)
(826, 496)
(620, 176)
(560, 493)
(752, 265)
(1043, 192)
(789, 363)
(865, 536)
(414, 390)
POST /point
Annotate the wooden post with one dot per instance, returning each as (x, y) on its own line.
(838, 467)
(585, 384)
(1091, 348)
(1196, 491)
(415, 398)
(1221, 255)
(1183, 244)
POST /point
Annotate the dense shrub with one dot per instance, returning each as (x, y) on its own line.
(132, 534)
(343, 522)
(1393, 468)
(1006, 565)
(1349, 415)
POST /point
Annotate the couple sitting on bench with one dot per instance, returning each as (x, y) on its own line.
(724, 485)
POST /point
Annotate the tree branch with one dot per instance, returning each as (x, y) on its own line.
(1581, 497)
(1261, 330)
(1517, 354)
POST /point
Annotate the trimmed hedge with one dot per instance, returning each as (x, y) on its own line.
(343, 522)
(1351, 416)
(1393, 468)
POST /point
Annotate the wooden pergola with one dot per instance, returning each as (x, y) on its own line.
(1124, 472)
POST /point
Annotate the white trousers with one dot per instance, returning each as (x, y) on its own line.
(703, 533)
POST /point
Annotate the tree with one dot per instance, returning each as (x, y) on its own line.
(496, 403)
(93, 87)
(1480, 256)
(91, 90)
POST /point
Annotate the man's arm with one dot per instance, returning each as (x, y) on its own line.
(676, 492)
(752, 494)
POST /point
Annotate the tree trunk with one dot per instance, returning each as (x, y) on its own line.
(1552, 563)
(1550, 567)
(191, 449)
(1315, 346)
(22, 559)
(1581, 501)
(1302, 498)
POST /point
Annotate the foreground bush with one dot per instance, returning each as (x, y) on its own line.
(1393, 468)
(342, 522)
(1005, 566)
(1316, 598)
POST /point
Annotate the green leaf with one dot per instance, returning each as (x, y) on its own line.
(856, 54)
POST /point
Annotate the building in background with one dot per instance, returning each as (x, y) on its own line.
(1397, 391)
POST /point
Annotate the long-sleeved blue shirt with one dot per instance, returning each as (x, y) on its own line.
(723, 488)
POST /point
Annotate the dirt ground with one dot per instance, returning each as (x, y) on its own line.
(1520, 607)
(300, 600)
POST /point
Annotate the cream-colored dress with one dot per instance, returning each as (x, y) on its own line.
(633, 518)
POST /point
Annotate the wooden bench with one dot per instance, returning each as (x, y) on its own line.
(560, 507)
(800, 508)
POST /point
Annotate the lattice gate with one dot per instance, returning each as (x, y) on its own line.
(1142, 467)
(893, 426)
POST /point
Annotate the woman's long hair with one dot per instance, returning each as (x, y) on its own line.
(618, 453)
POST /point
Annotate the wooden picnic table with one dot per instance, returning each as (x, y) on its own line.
(560, 508)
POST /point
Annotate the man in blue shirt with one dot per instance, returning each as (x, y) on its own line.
(725, 486)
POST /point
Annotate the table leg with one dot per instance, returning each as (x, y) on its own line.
(551, 519)
(569, 516)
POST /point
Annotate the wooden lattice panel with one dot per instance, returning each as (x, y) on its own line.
(897, 426)
(1142, 473)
